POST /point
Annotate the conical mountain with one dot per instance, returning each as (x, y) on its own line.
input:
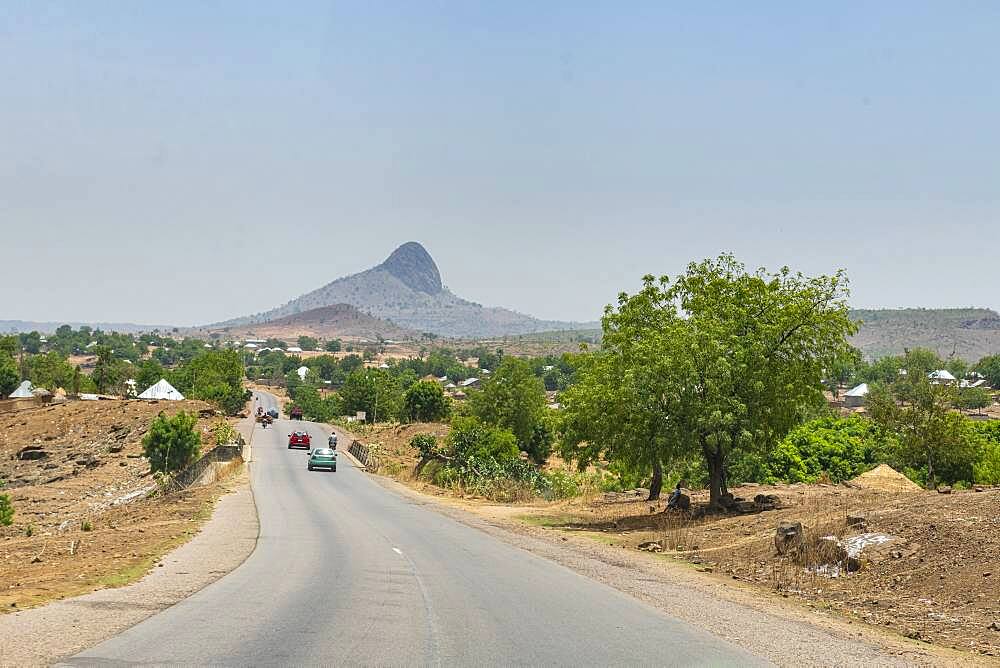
(407, 289)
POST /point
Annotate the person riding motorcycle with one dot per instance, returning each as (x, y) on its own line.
(332, 441)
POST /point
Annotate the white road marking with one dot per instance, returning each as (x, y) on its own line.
(397, 550)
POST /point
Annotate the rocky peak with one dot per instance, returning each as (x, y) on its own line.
(413, 265)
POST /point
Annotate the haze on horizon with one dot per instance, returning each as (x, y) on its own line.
(184, 163)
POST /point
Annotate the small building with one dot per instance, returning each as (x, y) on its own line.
(250, 346)
(302, 371)
(23, 391)
(469, 383)
(855, 396)
(941, 377)
(293, 349)
(162, 390)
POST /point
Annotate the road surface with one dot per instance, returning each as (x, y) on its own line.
(349, 573)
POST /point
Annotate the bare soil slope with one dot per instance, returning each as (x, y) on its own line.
(87, 512)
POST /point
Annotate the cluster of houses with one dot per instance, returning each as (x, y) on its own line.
(455, 390)
(855, 397)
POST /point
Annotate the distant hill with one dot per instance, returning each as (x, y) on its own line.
(407, 290)
(328, 322)
(970, 333)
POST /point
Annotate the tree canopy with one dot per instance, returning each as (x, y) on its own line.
(720, 360)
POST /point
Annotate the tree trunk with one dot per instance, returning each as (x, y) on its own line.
(656, 484)
(716, 477)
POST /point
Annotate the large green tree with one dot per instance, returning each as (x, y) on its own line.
(989, 367)
(719, 361)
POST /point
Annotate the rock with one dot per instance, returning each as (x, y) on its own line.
(980, 489)
(639, 491)
(727, 500)
(746, 507)
(944, 489)
(788, 537)
(995, 626)
(857, 521)
(650, 546)
(31, 452)
(116, 448)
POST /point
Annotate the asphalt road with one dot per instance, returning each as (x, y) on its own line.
(349, 573)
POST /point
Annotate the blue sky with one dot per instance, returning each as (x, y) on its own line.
(186, 162)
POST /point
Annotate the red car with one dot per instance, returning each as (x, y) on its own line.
(299, 439)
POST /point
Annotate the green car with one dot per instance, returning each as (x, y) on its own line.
(322, 458)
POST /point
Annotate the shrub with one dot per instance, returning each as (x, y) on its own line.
(172, 442)
(6, 510)
(986, 470)
(224, 433)
(842, 448)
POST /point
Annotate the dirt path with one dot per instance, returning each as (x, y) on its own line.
(45, 634)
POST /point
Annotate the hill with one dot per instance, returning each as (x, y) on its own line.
(407, 289)
(328, 322)
(968, 333)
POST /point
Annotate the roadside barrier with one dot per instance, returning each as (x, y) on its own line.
(364, 455)
(189, 475)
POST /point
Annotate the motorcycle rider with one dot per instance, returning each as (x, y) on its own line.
(332, 441)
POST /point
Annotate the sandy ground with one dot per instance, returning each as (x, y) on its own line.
(43, 635)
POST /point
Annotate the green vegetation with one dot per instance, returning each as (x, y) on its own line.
(720, 361)
(374, 391)
(308, 343)
(481, 459)
(172, 442)
(9, 374)
(215, 376)
(332, 346)
(424, 401)
(514, 398)
(6, 508)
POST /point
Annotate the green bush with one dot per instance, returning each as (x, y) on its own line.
(841, 448)
(986, 470)
(172, 442)
(6, 510)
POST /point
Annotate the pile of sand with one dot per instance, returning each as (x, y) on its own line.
(885, 479)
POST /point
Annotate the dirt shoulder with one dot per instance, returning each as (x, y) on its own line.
(44, 635)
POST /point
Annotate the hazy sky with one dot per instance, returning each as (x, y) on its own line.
(185, 162)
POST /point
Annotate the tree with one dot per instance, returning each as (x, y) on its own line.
(989, 367)
(424, 401)
(308, 343)
(109, 373)
(171, 442)
(373, 391)
(720, 361)
(332, 346)
(931, 435)
(973, 399)
(50, 370)
(215, 376)
(514, 398)
(9, 376)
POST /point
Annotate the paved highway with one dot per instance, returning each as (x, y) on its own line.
(349, 573)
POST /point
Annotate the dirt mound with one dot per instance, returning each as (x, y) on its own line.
(885, 479)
